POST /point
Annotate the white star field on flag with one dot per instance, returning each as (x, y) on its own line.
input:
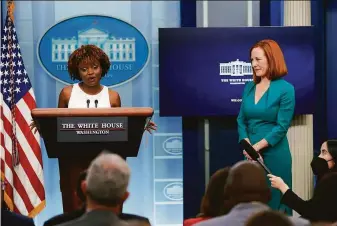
(18, 82)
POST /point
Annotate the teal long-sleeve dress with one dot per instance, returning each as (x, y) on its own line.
(270, 119)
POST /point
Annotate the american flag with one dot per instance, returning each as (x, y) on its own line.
(21, 158)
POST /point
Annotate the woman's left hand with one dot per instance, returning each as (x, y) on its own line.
(151, 126)
(257, 149)
(277, 182)
(259, 146)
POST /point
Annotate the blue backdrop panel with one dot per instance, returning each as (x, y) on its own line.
(203, 71)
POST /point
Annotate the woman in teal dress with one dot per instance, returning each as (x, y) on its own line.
(266, 113)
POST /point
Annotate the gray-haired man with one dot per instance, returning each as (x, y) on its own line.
(105, 188)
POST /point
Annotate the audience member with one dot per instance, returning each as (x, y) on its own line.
(105, 189)
(134, 218)
(269, 218)
(65, 217)
(138, 222)
(212, 204)
(323, 224)
(248, 193)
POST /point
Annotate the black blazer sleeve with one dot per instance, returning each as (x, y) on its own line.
(323, 204)
(302, 207)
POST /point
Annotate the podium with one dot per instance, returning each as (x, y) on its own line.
(76, 136)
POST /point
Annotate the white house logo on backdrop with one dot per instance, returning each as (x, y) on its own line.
(173, 145)
(124, 44)
(174, 191)
(236, 70)
(118, 49)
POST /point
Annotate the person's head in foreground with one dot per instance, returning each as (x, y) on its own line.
(269, 218)
(106, 183)
(326, 161)
(213, 204)
(247, 183)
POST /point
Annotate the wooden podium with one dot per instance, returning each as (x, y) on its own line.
(76, 136)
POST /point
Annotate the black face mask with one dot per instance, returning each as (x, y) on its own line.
(319, 166)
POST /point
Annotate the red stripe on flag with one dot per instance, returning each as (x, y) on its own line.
(9, 189)
(16, 183)
(16, 210)
(2, 163)
(21, 190)
(21, 122)
(30, 101)
(34, 180)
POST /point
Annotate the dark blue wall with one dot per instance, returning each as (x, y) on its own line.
(193, 137)
(331, 67)
(188, 13)
(193, 165)
(318, 20)
(271, 13)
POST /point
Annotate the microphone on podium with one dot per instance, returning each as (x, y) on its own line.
(253, 154)
(88, 103)
(96, 103)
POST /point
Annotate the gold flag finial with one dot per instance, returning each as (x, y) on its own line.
(10, 9)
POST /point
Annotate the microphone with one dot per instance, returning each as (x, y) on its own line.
(88, 103)
(253, 154)
(96, 103)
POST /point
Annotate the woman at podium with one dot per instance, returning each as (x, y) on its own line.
(89, 64)
(266, 113)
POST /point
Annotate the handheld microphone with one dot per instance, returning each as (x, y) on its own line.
(96, 103)
(253, 154)
(88, 103)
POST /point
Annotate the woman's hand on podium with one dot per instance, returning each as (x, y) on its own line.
(34, 126)
(151, 126)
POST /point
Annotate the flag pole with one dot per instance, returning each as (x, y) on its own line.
(10, 9)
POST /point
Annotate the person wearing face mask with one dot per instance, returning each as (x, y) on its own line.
(325, 162)
(322, 166)
(266, 112)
